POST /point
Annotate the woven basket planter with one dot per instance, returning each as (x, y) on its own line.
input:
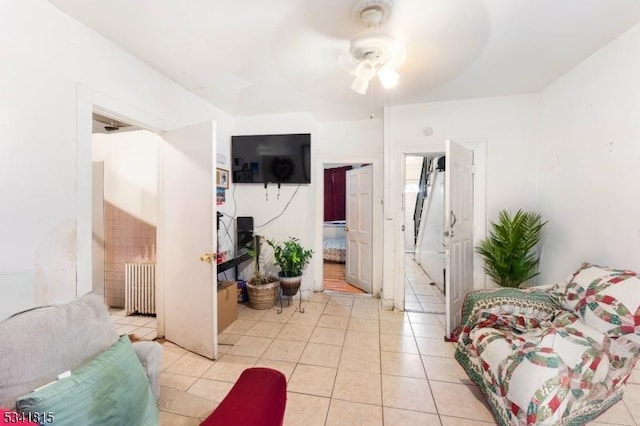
(263, 296)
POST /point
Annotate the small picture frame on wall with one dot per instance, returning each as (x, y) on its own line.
(222, 178)
(220, 196)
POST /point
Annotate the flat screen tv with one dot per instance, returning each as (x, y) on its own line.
(271, 158)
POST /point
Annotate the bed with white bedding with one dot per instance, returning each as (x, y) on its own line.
(334, 249)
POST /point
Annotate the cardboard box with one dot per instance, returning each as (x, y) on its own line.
(227, 304)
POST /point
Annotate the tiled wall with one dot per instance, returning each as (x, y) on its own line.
(127, 240)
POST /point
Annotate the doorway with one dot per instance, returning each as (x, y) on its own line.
(377, 220)
(467, 221)
(125, 211)
(342, 270)
(423, 237)
(186, 313)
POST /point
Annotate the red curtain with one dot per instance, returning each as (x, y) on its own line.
(335, 184)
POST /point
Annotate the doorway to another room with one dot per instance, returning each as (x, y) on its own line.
(186, 306)
(463, 223)
(125, 181)
(346, 234)
(423, 236)
(124, 222)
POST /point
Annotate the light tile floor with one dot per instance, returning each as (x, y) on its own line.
(419, 294)
(346, 362)
(142, 326)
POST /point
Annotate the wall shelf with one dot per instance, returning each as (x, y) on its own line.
(228, 264)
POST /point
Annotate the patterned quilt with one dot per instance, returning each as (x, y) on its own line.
(559, 357)
(335, 249)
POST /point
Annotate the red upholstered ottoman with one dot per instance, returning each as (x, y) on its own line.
(258, 398)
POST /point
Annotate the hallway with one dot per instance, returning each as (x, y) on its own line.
(419, 294)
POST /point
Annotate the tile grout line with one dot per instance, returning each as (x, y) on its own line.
(380, 349)
(326, 417)
(425, 370)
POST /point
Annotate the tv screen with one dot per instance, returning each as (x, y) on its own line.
(271, 158)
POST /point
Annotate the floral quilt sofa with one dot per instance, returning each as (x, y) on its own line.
(559, 356)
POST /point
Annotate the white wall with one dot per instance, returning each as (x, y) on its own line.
(54, 69)
(505, 122)
(332, 142)
(225, 129)
(130, 172)
(588, 157)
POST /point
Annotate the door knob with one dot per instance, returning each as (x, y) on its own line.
(346, 229)
(208, 257)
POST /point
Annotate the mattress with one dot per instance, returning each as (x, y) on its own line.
(335, 249)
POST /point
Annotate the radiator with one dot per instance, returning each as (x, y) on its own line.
(140, 288)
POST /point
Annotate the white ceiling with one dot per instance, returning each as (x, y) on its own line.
(270, 56)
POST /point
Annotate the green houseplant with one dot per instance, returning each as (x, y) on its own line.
(292, 258)
(262, 289)
(509, 253)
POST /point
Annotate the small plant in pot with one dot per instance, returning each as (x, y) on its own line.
(292, 258)
(510, 256)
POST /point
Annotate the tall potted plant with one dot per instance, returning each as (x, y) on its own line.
(292, 258)
(510, 256)
(261, 289)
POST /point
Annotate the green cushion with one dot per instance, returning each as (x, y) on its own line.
(112, 389)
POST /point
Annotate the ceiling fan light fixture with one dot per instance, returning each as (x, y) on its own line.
(372, 16)
(378, 53)
(364, 73)
(360, 85)
(388, 77)
(366, 69)
(377, 12)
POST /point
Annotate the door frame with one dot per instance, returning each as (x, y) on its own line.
(479, 148)
(377, 215)
(98, 248)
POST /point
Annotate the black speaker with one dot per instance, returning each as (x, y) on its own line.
(244, 233)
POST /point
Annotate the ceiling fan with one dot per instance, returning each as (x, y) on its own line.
(375, 52)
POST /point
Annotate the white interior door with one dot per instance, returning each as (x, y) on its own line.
(458, 231)
(359, 211)
(187, 210)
